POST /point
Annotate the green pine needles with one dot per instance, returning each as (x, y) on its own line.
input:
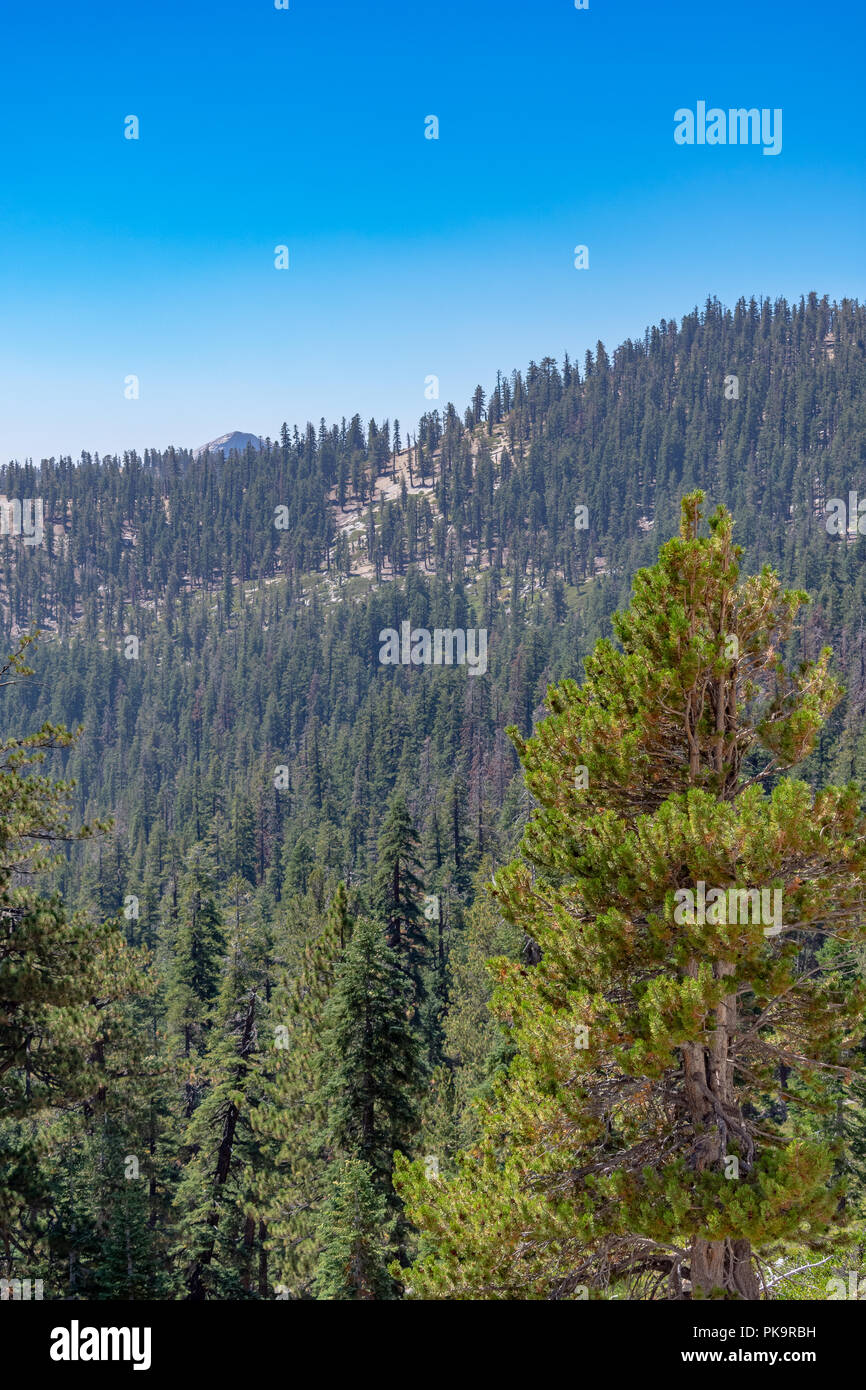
(637, 1147)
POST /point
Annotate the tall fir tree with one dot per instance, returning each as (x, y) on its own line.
(353, 1264)
(290, 1121)
(194, 969)
(221, 1248)
(370, 1065)
(397, 891)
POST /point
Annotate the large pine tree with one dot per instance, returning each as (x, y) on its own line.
(636, 1143)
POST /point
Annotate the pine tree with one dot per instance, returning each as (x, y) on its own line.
(63, 981)
(222, 1253)
(290, 1120)
(352, 1261)
(370, 1066)
(630, 1145)
(194, 973)
(440, 1122)
(397, 890)
(479, 1045)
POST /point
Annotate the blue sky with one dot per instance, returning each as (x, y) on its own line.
(409, 256)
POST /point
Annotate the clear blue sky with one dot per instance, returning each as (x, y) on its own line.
(408, 256)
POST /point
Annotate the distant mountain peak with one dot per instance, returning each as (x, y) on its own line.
(237, 439)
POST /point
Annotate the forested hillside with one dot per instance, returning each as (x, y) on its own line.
(294, 839)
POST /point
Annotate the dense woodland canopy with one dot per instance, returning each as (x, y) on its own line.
(300, 837)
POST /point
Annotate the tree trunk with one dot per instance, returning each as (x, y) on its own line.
(196, 1290)
(712, 1105)
(724, 1264)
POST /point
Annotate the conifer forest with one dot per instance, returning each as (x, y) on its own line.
(433, 849)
